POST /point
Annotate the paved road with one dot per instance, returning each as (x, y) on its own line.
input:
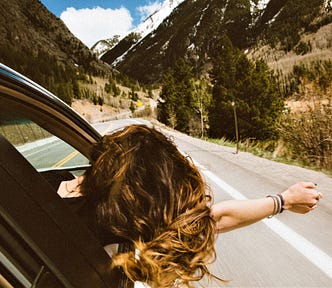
(53, 152)
(289, 250)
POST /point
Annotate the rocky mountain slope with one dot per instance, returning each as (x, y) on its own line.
(28, 30)
(194, 28)
(269, 29)
(146, 27)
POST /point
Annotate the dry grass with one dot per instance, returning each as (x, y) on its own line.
(321, 43)
(93, 113)
(306, 130)
(114, 106)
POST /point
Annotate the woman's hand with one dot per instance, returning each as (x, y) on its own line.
(301, 197)
(70, 188)
(232, 214)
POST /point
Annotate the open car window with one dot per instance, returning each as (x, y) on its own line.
(43, 242)
(40, 236)
(42, 149)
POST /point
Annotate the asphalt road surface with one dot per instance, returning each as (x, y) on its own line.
(54, 153)
(289, 250)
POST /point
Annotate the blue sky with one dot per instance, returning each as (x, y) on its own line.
(93, 20)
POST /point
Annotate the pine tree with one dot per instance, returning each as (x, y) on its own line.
(247, 86)
(223, 79)
(176, 107)
(260, 101)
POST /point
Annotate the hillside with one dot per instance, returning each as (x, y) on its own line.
(194, 28)
(151, 23)
(39, 45)
(27, 27)
(320, 50)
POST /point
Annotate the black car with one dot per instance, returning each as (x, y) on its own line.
(43, 243)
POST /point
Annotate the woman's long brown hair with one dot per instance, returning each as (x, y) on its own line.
(147, 192)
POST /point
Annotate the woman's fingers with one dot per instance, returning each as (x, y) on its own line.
(302, 197)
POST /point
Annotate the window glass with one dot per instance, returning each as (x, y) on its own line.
(42, 149)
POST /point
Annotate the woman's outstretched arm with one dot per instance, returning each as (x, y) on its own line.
(233, 214)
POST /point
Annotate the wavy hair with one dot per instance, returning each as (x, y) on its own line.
(146, 192)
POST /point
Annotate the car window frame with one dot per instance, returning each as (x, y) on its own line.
(19, 93)
(51, 224)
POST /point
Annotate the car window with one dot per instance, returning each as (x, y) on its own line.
(42, 149)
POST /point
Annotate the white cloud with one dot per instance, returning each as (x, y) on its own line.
(147, 10)
(92, 25)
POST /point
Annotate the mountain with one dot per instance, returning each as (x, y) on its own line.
(194, 28)
(136, 35)
(39, 45)
(30, 32)
(102, 46)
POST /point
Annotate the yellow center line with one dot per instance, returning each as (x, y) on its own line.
(66, 159)
(74, 153)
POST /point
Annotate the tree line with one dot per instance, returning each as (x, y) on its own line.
(245, 90)
(193, 106)
(62, 79)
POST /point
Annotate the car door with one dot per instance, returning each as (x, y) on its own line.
(43, 244)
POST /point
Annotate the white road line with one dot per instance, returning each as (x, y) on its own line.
(315, 255)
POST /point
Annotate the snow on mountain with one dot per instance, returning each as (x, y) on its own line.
(146, 27)
(256, 7)
(154, 20)
(328, 3)
(260, 5)
(102, 46)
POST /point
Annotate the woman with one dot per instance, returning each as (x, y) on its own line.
(140, 189)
